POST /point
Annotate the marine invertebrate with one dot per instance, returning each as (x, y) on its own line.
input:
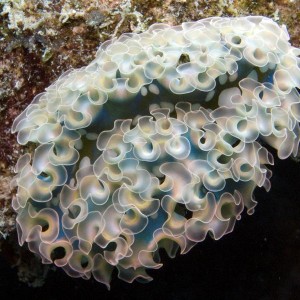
(155, 144)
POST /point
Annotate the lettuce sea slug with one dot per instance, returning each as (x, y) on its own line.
(155, 144)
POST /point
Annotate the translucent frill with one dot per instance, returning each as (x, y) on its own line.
(155, 144)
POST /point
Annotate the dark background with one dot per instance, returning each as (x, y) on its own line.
(260, 259)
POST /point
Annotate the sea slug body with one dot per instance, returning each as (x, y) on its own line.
(155, 143)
